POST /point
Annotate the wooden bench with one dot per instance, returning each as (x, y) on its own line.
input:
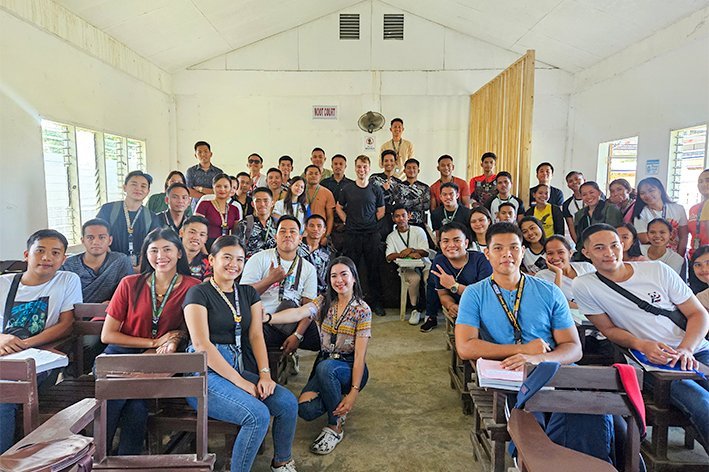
(662, 415)
(460, 371)
(580, 390)
(149, 376)
(489, 434)
(18, 385)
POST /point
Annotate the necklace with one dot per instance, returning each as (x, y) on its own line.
(222, 216)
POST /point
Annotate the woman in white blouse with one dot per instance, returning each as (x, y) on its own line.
(560, 270)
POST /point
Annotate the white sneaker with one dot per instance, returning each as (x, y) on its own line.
(287, 467)
(415, 317)
(326, 441)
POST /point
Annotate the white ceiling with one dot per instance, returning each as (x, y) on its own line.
(569, 34)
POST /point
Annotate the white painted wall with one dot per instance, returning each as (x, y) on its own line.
(259, 98)
(655, 86)
(44, 77)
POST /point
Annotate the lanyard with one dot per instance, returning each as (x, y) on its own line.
(577, 205)
(311, 200)
(129, 226)
(157, 310)
(408, 238)
(697, 240)
(337, 322)
(282, 287)
(446, 218)
(396, 150)
(223, 216)
(664, 211)
(512, 316)
(236, 316)
(169, 221)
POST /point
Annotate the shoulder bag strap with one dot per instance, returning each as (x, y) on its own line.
(675, 316)
(10, 301)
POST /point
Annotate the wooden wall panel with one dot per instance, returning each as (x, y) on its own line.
(501, 122)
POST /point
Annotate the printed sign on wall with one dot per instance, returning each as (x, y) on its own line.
(324, 112)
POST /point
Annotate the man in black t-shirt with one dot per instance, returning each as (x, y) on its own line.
(335, 184)
(450, 210)
(361, 206)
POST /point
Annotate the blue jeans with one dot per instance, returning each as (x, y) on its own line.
(692, 398)
(8, 413)
(229, 403)
(332, 378)
(130, 415)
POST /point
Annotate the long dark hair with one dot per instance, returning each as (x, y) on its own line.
(331, 294)
(288, 199)
(694, 283)
(534, 220)
(146, 270)
(634, 250)
(640, 204)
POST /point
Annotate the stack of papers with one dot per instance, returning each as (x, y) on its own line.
(44, 360)
(492, 375)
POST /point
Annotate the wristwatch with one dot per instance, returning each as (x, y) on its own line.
(454, 288)
(298, 335)
(265, 370)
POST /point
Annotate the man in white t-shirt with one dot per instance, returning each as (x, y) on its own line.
(41, 310)
(657, 337)
(409, 242)
(284, 280)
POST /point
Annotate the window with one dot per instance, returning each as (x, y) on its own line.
(84, 169)
(688, 148)
(617, 160)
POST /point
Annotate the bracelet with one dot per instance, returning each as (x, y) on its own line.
(270, 317)
(298, 335)
(356, 387)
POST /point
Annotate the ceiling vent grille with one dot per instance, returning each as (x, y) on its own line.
(349, 26)
(394, 26)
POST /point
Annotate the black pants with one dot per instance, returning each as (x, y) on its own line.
(365, 246)
(275, 338)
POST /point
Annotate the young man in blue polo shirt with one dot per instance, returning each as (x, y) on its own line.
(512, 317)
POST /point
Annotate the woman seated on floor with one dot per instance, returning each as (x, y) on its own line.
(146, 313)
(224, 320)
(340, 371)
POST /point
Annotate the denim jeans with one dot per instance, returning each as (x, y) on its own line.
(332, 378)
(8, 413)
(229, 403)
(130, 415)
(692, 398)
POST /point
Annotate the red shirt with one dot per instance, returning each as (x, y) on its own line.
(464, 190)
(137, 316)
(214, 230)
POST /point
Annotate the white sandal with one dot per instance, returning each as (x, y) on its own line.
(327, 440)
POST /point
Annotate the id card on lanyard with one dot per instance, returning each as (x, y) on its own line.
(512, 315)
(129, 226)
(336, 324)
(157, 310)
(236, 316)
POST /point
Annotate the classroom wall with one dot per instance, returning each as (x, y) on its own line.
(259, 98)
(43, 76)
(654, 86)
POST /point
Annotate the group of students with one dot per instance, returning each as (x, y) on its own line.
(235, 265)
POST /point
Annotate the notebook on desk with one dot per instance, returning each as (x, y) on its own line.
(44, 360)
(492, 375)
(640, 358)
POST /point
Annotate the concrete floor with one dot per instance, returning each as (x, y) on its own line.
(407, 417)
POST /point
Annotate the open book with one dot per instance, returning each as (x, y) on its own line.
(44, 360)
(492, 375)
